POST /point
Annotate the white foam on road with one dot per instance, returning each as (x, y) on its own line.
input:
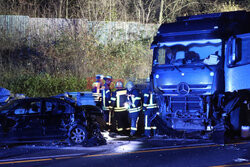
(241, 160)
(129, 147)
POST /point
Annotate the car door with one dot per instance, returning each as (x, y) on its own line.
(55, 120)
(28, 115)
(23, 120)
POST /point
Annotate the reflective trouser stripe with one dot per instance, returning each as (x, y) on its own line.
(103, 99)
(136, 124)
(132, 128)
(108, 119)
(119, 129)
(151, 99)
(109, 123)
(113, 99)
(149, 107)
(119, 109)
(146, 123)
(134, 121)
(105, 108)
(134, 110)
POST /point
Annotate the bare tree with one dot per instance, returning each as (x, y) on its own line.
(144, 9)
(60, 8)
(161, 11)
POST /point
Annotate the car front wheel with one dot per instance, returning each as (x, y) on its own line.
(78, 135)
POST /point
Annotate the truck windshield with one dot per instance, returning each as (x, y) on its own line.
(193, 53)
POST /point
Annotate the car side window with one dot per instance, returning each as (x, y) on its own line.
(50, 107)
(20, 110)
(28, 108)
(34, 107)
(65, 108)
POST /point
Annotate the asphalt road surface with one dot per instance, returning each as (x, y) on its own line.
(126, 152)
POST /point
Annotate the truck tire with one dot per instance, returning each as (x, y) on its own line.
(77, 135)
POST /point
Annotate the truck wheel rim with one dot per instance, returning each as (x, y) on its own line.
(78, 135)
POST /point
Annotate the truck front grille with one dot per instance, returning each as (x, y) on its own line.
(195, 89)
(186, 106)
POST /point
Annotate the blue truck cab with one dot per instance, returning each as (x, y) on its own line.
(201, 71)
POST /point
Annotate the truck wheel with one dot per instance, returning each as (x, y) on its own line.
(77, 135)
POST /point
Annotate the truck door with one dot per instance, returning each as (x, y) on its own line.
(237, 64)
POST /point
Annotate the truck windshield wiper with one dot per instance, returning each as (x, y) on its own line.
(176, 67)
(207, 66)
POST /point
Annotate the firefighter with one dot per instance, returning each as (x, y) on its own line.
(151, 110)
(105, 100)
(134, 106)
(96, 89)
(118, 100)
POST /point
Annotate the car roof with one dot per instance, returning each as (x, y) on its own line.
(42, 98)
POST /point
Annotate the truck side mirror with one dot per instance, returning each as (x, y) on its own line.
(155, 62)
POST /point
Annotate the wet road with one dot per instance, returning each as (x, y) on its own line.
(138, 152)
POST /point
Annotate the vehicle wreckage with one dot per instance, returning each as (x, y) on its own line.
(51, 118)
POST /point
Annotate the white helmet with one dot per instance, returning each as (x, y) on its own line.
(119, 84)
(130, 85)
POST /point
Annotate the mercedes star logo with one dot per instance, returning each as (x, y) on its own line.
(183, 88)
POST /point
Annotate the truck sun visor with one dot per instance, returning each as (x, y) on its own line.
(186, 43)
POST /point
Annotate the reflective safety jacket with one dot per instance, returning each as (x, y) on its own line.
(149, 100)
(106, 95)
(96, 90)
(118, 100)
(134, 101)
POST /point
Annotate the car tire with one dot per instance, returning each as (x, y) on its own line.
(77, 135)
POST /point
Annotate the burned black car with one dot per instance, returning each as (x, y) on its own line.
(47, 118)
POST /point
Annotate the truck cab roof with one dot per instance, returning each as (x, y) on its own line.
(209, 26)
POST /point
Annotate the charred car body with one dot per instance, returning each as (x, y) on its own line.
(47, 118)
(200, 72)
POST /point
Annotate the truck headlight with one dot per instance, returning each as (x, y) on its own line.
(211, 74)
